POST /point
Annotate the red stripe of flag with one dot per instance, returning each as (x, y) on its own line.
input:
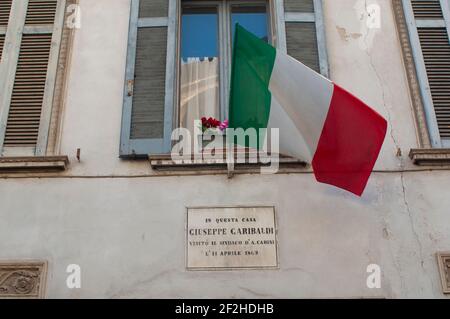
(349, 144)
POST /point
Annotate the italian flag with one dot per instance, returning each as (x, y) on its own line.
(318, 121)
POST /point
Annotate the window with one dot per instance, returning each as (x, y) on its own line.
(179, 60)
(199, 65)
(205, 60)
(30, 36)
(428, 23)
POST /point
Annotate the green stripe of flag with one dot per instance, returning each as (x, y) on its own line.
(250, 98)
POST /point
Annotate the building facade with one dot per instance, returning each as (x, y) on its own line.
(91, 91)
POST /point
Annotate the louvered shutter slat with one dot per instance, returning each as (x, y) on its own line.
(299, 6)
(435, 46)
(427, 9)
(28, 91)
(301, 42)
(153, 8)
(301, 36)
(41, 12)
(5, 9)
(149, 90)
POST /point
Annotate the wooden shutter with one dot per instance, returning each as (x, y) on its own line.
(5, 9)
(147, 116)
(150, 79)
(429, 25)
(31, 78)
(305, 33)
(22, 127)
(302, 43)
(435, 45)
(436, 54)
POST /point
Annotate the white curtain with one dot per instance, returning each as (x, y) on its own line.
(199, 90)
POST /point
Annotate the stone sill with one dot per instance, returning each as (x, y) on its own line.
(33, 164)
(430, 157)
(165, 163)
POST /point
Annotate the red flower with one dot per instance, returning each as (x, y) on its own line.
(210, 123)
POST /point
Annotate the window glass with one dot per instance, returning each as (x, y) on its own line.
(199, 85)
(252, 18)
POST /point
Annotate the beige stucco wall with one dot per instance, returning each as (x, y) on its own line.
(126, 227)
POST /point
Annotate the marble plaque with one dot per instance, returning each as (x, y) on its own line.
(231, 238)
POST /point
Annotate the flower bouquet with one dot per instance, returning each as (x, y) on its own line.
(213, 125)
(212, 132)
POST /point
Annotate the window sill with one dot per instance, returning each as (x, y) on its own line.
(430, 157)
(165, 163)
(33, 164)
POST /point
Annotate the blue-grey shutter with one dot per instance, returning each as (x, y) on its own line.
(429, 25)
(150, 78)
(305, 33)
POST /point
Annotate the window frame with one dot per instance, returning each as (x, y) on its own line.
(10, 56)
(419, 62)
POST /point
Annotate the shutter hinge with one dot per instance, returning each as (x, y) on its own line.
(130, 85)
